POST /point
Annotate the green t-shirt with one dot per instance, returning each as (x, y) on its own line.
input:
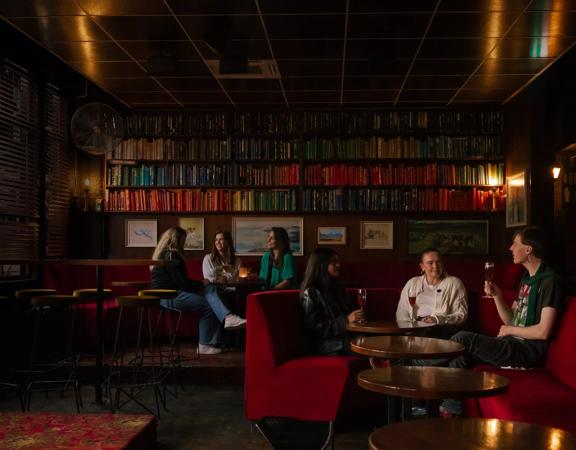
(286, 272)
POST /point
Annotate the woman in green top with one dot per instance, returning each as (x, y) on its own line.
(277, 269)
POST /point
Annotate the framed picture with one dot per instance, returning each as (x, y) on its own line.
(194, 227)
(377, 235)
(251, 233)
(332, 235)
(516, 205)
(450, 237)
(141, 233)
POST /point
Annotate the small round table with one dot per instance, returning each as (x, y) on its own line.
(406, 347)
(469, 434)
(388, 326)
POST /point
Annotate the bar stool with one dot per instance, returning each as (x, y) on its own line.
(4, 385)
(90, 295)
(60, 372)
(132, 376)
(25, 295)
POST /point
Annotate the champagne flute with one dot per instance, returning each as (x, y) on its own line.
(412, 300)
(362, 303)
(488, 274)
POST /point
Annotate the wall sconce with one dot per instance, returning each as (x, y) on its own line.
(556, 172)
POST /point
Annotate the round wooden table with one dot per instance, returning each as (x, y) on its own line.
(406, 347)
(469, 434)
(435, 383)
(388, 326)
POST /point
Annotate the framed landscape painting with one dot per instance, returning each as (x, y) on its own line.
(194, 227)
(141, 233)
(332, 235)
(516, 204)
(251, 233)
(377, 235)
(450, 237)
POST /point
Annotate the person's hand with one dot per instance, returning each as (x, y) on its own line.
(355, 316)
(505, 330)
(429, 319)
(206, 281)
(492, 289)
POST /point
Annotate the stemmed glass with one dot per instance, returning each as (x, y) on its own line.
(488, 274)
(362, 303)
(412, 300)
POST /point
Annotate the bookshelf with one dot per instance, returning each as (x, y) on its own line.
(569, 181)
(313, 162)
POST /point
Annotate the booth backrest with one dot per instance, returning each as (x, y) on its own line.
(275, 332)
(561, 358)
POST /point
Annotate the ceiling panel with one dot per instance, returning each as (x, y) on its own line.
(487, 48)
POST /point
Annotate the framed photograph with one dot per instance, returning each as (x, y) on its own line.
(450, 237)
(251, 233)
(332, 235)
(141, 233)
(194, 227)
(516, 204)
(377, 235)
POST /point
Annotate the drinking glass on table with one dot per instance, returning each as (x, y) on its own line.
(362, 304)
(488, 274)
(412, 300)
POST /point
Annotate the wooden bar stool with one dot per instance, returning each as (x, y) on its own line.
(132, 376)
(25, 295)
(58, 372)
(90, 295)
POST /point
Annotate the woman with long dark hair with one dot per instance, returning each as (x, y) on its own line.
(192, 295)
(326, 308)
(221, 262)
(277, 270)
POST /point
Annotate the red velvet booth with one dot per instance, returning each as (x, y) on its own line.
(544, 396)
(283, 379)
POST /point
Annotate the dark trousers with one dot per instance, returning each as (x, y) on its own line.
(496, 351)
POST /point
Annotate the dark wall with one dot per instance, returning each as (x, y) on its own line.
(539, 122)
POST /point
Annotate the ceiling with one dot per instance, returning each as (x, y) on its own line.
(330, 53)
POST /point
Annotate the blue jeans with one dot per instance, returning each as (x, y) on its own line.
(210, 308)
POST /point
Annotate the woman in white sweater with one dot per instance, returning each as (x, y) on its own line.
(221, 264)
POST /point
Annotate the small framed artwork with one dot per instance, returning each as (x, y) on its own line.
(194, 227)
(516, 204)
(141, 233)
(332, 235)
(450, 237)
(251, 233)
(376, 235)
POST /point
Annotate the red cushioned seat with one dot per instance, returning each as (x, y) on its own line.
(283, 379)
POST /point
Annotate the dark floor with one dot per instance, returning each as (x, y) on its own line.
(208, 414)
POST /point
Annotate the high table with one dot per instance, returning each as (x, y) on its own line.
(388, 326)
(406, 347)
(99, 265)
(469, 434)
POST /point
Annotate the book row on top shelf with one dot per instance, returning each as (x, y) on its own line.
(375, 147)
(275, 175)
(342, 122)
(285, 200)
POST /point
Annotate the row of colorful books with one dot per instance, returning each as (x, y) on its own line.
(176, 124)
(169, 149)
(254, 148)
(215, 175)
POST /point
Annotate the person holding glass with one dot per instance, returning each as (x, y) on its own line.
(434, 297)
(277, 270)
(221, 264)
(527, 325)
(193, 295)
(325, 305)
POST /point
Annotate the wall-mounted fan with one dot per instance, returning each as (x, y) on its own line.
(96, 128)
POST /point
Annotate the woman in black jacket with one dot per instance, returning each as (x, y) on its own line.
(192, 295)
(325, 305)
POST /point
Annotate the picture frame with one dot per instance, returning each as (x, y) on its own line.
(516, 200)
(251, 234)
(450, 237)
(376, 235)
(331, 236)
(141, 233)
(194, 227)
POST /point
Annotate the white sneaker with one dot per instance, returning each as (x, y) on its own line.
(208, 350)
(233, 321)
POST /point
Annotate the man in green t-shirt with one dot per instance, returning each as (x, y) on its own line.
(527, 326)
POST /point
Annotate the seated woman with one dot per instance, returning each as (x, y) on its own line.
(277, 270)
(440, 298)
(325, 305)
(222, 262)
(192, 295)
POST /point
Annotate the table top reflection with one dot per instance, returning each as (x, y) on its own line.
(406, 347)
(388, 326)
(470, 434)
